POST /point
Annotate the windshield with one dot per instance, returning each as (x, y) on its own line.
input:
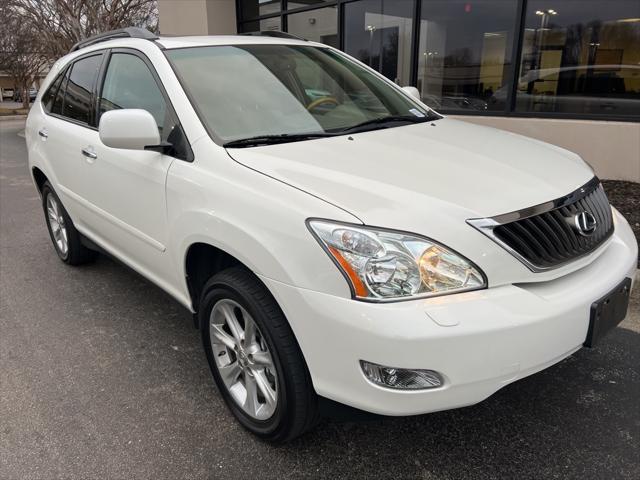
(246, 91)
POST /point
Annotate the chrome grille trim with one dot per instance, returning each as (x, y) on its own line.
(541, 237)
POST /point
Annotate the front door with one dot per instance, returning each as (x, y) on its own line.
(126, 188)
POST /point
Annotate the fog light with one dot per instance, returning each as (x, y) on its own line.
(401, 378)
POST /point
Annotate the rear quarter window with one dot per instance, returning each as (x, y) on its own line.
(50, 95)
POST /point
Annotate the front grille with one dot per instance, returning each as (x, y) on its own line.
(546, 236)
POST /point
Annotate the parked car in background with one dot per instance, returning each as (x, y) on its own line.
(33, 93)
(594, 89)
(7, 93)
(333, 236)
(450, 102)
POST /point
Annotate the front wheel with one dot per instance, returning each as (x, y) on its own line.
(254, 357)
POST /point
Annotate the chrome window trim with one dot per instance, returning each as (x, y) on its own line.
(487, 225)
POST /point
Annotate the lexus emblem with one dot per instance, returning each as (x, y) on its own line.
(585, 223)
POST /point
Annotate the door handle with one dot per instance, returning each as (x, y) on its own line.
(89, 153)
(43, 133)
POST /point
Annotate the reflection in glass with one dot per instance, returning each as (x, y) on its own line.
(244, 91)
(129, 84)
(291, 4)
(268, 24)
(319, 25)
(77, 100)
(464, 53)
(378, 33)
(50, 94)
(581, 57)
(254, 8)
(59, 100)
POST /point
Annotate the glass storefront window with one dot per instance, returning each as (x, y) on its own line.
(578, 58)
(291, 4)
(378, 33)
(320, 25)
(464, 53)
(267, 24)
(581, 56)
(254, 8)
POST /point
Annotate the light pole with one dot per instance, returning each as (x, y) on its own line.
(370, 29)
(544, 18)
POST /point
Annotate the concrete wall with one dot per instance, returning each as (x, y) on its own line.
(197, 17)
(221, 15)
(611, 148)
(183, 17)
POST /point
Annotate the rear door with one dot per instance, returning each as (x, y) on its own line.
(68, 125)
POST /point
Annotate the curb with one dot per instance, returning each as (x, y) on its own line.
(12, 117)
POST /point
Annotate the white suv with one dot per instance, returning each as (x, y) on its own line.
(333, 236)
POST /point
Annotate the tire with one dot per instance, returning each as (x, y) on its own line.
(239, 291)
(64, 236)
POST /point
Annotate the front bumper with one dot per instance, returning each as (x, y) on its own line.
(479, 341)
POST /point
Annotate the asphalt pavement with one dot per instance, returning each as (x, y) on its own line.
(102, 375)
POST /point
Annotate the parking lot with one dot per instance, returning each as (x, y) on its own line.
(102, 375)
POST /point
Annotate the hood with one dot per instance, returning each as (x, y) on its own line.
(470, 170)
(429, 179)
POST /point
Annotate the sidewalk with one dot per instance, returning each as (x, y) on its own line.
(10, 105)
(12, 110)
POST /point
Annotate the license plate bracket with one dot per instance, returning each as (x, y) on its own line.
(608, 312)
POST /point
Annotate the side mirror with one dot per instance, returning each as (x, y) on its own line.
(413, 91)
(129, 128)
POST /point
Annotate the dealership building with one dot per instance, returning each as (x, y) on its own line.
(563, 71)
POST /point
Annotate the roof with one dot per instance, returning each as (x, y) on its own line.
(212, 40)
(135, 34)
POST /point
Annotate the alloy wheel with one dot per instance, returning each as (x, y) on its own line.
(243, 359)
(58, 227)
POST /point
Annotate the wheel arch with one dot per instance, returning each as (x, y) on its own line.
(203, 257)
(39, 178)
(202, 260)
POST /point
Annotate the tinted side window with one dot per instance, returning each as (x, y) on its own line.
(130, 84)
(77, 102)
(59, 100)
(50, 94)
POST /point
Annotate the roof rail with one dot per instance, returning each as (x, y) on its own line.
(274, 33)
(129, 32)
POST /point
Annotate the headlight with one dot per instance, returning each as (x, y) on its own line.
(387, 265)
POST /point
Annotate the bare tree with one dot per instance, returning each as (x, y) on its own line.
(61, 23)
(20, 50)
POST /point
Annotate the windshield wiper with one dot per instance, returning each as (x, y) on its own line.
(384, 120)
(297, 137)
(274, 139)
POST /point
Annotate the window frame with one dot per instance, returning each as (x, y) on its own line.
(102, 75)
(64, 72)
(513, 69)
